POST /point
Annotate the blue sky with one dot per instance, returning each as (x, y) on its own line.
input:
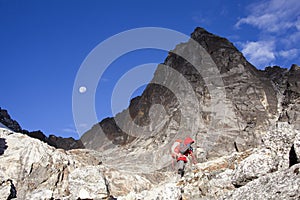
(44, 42)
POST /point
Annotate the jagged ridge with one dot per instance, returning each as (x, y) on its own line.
(52, 140)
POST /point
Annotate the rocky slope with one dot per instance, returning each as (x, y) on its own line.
(31, 169)
(52, 140)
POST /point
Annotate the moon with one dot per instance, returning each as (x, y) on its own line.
(82, 89)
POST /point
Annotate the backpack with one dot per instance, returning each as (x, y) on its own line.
(178, 148)
(183, 148)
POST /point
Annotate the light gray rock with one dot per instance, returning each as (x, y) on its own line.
(278, 185)
(211, 179)
(260, 163)
(280, 139)
(39, 171)
(168, 191)
(31, 169)
(88, 183)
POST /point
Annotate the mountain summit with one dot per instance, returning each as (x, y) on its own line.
(237, 102)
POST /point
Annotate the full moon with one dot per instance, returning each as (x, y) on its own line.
(82, 89)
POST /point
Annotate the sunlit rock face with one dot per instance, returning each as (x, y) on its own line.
(31, 169)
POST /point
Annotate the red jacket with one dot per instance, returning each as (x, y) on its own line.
(187, 141)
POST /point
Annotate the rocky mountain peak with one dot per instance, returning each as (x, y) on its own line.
(235, 107)
(220, 48)
(209, 40)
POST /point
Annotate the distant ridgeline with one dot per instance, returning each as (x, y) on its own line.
(52, 140)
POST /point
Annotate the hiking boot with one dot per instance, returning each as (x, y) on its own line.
(181, 172)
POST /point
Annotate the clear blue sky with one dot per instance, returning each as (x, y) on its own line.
(44, 42)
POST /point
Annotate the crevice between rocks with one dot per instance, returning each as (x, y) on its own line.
(235, 146)
(13, 190)
(107, 186)
(292, 157)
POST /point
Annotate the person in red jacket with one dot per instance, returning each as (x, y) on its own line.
(186, 150)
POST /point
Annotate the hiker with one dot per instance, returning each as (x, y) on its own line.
(180, 151)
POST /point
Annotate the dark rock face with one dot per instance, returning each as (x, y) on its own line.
(64, 143)
(36, 134)
(286, 83)
(253, 101)
(6, 120)
(106, 134)
(57, 142)
(291, 100)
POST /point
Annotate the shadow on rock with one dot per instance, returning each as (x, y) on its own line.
(3, 146)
